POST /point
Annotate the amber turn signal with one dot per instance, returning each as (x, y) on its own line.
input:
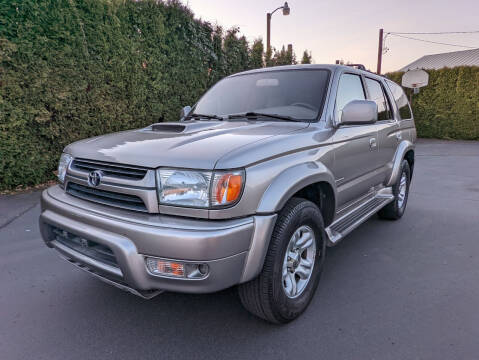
(227, 187)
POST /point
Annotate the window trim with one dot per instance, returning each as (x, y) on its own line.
(365, 93)
(388, 101)
(396, 108)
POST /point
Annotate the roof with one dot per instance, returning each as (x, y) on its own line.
(288, 67)
(450, 59)
(331, 67)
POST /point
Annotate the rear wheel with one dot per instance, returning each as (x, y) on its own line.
(395, 209)
(292, 267)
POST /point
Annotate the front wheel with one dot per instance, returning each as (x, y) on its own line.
(395, 209)
(292, 266)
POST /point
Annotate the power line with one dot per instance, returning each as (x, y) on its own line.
(432, 42)
(434, 33)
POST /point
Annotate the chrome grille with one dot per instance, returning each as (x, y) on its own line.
(84, 246)
(126, 201)
(113, 170)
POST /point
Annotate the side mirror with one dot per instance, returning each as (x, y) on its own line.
(184, 112)
(359, 112)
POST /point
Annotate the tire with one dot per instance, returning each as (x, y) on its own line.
(395, 209)
(266, 296)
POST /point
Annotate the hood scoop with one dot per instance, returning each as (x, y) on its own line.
(183, 128)
(169, 128)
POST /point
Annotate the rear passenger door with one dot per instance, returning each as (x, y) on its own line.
(387, 126)
(356, 148)
(404, 114)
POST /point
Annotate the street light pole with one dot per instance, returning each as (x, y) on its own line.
(268, 31)
(286, 11)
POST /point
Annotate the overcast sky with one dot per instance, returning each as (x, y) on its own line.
(349, 29)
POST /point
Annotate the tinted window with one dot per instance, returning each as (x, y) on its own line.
(350, 88)
(295, 93)
(377, 94)
(401, 100)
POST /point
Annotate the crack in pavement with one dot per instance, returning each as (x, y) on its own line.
(15, 217)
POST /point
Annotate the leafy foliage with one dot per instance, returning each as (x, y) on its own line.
(284, 57)
(448, 108)
(72, 69)
(256, 55)
(307, 57)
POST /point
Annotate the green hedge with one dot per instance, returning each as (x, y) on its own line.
(71, 69)
(448, 108)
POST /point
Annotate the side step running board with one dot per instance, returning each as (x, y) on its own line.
(351, 220)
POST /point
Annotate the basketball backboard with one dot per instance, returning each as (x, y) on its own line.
(415, 79)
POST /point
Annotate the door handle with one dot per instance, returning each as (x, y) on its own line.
(372, 144)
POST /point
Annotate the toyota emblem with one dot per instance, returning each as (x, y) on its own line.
(94, 178)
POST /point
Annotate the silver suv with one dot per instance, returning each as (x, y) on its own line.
(267, 170)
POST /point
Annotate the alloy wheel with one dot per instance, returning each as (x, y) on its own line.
(298, 261)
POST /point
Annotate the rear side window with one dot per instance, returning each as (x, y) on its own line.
(350, 88)
(401, 100)
(376, 93)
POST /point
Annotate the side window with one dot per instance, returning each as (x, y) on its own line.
(401, 100)
(350, 88)
(377, 95)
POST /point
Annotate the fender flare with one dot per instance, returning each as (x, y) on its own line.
(285, 185)
(290, 181)
(401, 151)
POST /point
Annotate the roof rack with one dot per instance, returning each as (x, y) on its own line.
(357, 66)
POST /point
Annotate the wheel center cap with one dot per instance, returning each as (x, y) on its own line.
(295, 259)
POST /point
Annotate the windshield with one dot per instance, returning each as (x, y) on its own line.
(297, 94)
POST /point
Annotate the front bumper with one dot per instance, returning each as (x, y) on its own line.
(234, 249)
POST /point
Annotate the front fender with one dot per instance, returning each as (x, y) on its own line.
(401, 151)
(290, 181)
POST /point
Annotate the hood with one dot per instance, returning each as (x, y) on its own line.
(191, 144)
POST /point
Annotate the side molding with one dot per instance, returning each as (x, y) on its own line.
(402, 149)
(291, 181)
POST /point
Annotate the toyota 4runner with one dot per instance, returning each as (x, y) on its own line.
(267, 170)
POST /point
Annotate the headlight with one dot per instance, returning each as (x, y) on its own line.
(201, 189)
(65, 160)
(184, 187)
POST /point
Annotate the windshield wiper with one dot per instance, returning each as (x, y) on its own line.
(251, 114)
(205, 116)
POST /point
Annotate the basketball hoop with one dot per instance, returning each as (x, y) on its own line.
(415, 79)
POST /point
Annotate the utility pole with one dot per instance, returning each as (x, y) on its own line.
(380, 51)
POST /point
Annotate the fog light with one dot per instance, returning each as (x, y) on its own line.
(196, 271)
(165, 268)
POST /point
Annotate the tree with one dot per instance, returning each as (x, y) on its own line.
(307, 57)
(235, 51)
(268, 58)
(217, 64)
(284, 57)
(256, 54)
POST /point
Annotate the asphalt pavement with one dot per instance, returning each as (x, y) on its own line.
(406, 289)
